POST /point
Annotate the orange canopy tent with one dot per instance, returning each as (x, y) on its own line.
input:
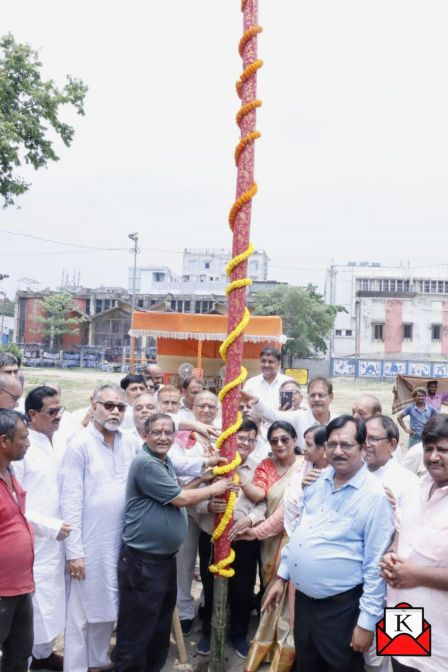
(186, 337)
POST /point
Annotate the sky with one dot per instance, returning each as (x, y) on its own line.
(352, 163)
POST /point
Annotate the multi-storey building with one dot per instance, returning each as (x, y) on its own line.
(209, 265)
(390, 312)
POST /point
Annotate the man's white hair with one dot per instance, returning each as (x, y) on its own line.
(108, 386)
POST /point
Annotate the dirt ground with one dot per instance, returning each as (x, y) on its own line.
(77, 386)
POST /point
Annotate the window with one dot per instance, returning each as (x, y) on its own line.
(436, 330)
(427, 286)
(407, 331)
(338, 332)
(440, 287)
(187, 306)
(399, 285)
(348, 332)
(393, 286)
(378, 331)
(98, 306)
(385, 285)
(433, 286)
(206, 264)
(406, 286)
(106, 304)
(140, 303)
(446, 287)
(158, 277)
(365, 285)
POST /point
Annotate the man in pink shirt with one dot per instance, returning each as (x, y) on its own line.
(433, 397)
(416, 567)
(16, 556)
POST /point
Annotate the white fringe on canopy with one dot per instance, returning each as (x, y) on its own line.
(185, 335)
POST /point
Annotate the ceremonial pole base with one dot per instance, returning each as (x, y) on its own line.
(219, 623)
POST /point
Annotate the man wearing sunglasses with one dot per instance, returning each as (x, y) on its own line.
(38, 474)
(93, 484)
(333, 557)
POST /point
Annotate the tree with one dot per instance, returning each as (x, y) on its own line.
(29, 107)
(12, 348)
(307, 319)
(6, 307)
(55, 322)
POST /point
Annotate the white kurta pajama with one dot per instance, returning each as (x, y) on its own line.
(38, 474)
(93, 484)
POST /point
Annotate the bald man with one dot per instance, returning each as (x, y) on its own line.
(156, 374)
(366, 406)
(10, 391)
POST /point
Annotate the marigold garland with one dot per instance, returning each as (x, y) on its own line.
(248, 107)
(220, 566)
(227, 516)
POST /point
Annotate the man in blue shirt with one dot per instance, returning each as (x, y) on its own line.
(333, 557)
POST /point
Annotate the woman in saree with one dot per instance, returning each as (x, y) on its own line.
(273, 641)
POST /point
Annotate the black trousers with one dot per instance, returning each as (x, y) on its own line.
(323, 631)
(241, 586)
(16, 632)
(399, 667)
(147, 591)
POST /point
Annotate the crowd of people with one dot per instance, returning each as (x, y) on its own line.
(107, 514)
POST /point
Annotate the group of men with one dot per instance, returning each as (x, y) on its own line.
(120, 501)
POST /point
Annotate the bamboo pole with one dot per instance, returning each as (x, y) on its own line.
(232, 348)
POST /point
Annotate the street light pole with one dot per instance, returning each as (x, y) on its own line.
(3, 314)
(134, 251)
(3, 276)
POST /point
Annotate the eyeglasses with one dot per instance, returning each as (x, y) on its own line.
(332, 445)
(157, 434)
(246, 439)
(279, 440)
(374, 440)
(15, 397)
(53, 412)
(110, 405)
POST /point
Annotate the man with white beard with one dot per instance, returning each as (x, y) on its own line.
(93, 484)
(38, 474)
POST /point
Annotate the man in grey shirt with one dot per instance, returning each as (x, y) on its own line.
(155, 526)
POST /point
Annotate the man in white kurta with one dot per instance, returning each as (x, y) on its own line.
(381, 446)
(416, 568)
(38, 474)
(194, 449)
(266, 386)
(320, 396)
(93, 483)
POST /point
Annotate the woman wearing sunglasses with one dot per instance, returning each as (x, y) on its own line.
(270, 481)
(279, 622)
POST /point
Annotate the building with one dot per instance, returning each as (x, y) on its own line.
(105, 312)
(398, 313)
(209, 265)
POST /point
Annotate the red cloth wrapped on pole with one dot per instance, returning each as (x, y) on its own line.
(240, 220)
